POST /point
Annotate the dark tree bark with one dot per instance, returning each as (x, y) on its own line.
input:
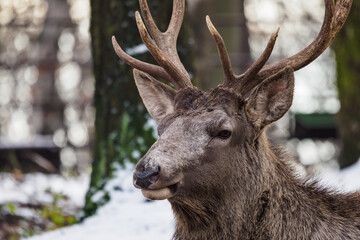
(347, 49)
(120, 115)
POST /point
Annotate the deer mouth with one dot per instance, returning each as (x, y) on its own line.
(160, 193)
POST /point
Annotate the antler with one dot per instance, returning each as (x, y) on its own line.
(161, 45)
(335, 17)
(230, 78)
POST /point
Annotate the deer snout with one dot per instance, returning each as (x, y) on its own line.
(143, 179)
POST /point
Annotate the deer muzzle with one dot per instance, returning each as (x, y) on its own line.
(146, 178)
(154, 185)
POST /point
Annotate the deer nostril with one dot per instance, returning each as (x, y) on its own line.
(154, 177)
(144, 179)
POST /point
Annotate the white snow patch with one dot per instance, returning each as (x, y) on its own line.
(139, 49)
(33, 188)
(347, 180)
(97, 196)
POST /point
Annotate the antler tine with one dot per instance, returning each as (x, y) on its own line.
(232, 80)
(143, 66)
(177, 18)
(148, 19)
(224, 56)
(329, 29)
(342, 10)
(162, 46)
(180, 81)
(245, 81)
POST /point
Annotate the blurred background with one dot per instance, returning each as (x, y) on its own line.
(71, 117)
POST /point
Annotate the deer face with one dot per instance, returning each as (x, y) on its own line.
(197, 127)
(199, 133)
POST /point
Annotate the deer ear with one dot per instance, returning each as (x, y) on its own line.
(272, 99)
(157, 96)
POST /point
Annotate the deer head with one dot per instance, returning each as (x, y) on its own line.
(212, 144)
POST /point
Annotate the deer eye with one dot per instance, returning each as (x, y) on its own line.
(224, 134)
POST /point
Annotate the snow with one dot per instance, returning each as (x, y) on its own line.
(346, 180)
(34, 188)
(139, 49)
(129, 216)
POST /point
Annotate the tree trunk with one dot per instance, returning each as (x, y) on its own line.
(347, 49)
(120, 114)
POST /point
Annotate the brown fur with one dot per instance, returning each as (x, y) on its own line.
(255, 195)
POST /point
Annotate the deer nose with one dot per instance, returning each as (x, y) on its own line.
(145, 178)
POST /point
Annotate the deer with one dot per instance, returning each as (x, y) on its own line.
(213, 161)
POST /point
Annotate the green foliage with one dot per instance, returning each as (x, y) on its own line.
(55, 215)
(11, 207)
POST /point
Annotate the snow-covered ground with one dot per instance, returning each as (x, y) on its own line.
(129, 216)
(38, 187)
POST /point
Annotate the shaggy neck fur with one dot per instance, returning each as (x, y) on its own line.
(273, 204)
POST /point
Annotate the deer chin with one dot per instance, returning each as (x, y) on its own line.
(161, 193)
